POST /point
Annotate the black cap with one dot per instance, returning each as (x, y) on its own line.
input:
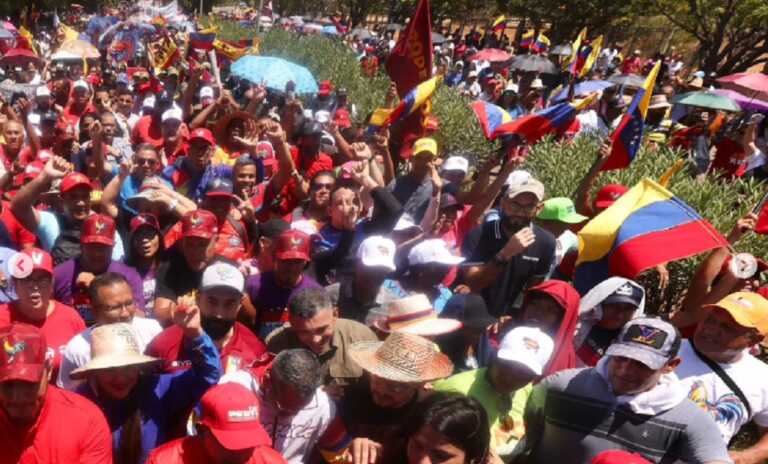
(470, 309)
(628, 293)
(219, 187)
(311, 128)
(273, 228)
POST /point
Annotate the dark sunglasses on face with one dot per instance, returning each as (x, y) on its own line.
(322, 186)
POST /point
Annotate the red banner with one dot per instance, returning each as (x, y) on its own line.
(410, 62)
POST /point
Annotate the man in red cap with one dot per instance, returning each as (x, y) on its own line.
(36, 420)
(180, 274)
(58, 231)
(190, 174)
(268, 293)
(229, 431)
(72, 277)
(32, 274)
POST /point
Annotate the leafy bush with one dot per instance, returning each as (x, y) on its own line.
(559, 165)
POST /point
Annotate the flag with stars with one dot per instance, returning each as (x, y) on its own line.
(627, 138)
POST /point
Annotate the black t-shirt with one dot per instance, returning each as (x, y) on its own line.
(533, 264)
(175, 278)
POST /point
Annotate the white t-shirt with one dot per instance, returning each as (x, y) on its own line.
(78, 351)
(295, 437)
(709, 392)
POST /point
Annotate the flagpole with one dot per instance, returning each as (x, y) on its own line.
(258, 16)
(201, 8)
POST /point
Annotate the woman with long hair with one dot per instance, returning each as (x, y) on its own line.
(144, 254)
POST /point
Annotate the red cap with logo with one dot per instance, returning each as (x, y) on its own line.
(202, 133)
(144, 219)
(28, 260)
(609, 194)
(231, 413)
(23, 354)
(98, 228)
(200, 223)
(292, 244)
(325, 88)
(74, 180)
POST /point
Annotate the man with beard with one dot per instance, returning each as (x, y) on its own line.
(219, 296)
(414, 189)
(510, 253)
(58, 231)
(190, 174)
(112, 301)
(36, 421)
(73, 277)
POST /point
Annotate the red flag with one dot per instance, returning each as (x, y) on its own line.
(762, 220)
(410, 62)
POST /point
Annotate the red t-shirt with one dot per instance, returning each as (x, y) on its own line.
(59, 327)
(73, 116)
(243, 349)
(16, 231)
(145, 132)
(729, 159)
(308, 169)
(190, 450)
(69, 429)
(230, 243)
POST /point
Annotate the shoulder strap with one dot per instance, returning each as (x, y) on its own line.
(724, 377)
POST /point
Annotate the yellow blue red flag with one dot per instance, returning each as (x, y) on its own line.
(414, 100)
(591, 59)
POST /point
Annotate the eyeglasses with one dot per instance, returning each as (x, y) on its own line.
(322, 186)
(146, 161)
(40, 282)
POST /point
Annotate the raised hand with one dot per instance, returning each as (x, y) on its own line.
(361, 150)
(275, 132)
(187, 317)
(56, 168)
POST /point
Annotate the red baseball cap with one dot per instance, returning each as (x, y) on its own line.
(200, 223)
(73, 180)
(28, 260)
(292, 244)
(341, 118)
(98, 228)
(619, 457)
(23, 354)
(609, 194)
(231, 412)
(202, 133)
(144, 219)
(325, 88)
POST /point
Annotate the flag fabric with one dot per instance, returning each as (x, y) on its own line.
(414, 100)
(591, 59)
(378, 120)
(670, 173)
(163, 53)
(645, 227)
(26, 40)
(628, 136)
(68, 33)
(231, 51)
(499, 24)
(553, 120)
(202, 40)
(491, 117)
(541, 44)
(526, 40)
(575, 47)
(410, 62)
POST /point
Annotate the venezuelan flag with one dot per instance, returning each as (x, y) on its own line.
(575, 47)
(378, 120)
(526, 40)
(628, 136)
(491, 117)
(645, 227)
(590, 60)
(552, 120)
(541, 44)
(499, 24)
(201, 40)
(414, 100)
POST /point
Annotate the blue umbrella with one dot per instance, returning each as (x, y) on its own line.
(583, 88)
(274, 73)
(330, 30)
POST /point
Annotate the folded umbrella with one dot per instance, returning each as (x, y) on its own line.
(707, 99)
(749, 84)
(274, 73)
(746, 103)
(491, 54)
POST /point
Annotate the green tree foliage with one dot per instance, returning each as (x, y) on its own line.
(731, 33)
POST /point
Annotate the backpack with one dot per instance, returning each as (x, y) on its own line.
(66, 246)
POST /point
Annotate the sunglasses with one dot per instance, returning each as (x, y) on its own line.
(322, 186)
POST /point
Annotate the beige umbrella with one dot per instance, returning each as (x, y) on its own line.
(80, 48)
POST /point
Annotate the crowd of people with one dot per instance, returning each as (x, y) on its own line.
(198, 270)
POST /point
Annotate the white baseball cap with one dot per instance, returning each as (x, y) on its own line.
(81, 84)
(456, 163)
(221, 274)
(472, 74)
(528, 346)
(173, 113)
(148, 102)
(537, 84)
(433, 251)
(42, 91)
(206, 92)
(405, 222)
(517, 177)
(377, 251)
(322, 116)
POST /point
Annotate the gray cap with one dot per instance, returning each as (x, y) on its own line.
(650, 341)
(529, 185)
(630, 293)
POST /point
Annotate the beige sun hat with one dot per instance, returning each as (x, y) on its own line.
(415, 315)
(113, 345)
(403, 358)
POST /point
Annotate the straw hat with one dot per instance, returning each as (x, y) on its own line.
(113, 345)
(220, 130)
(403, 358)
(414, 315)
(658, 101)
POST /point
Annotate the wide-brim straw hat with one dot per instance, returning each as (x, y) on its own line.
(220, 129)
(402, 357)
(113, 345)
(414, 315)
